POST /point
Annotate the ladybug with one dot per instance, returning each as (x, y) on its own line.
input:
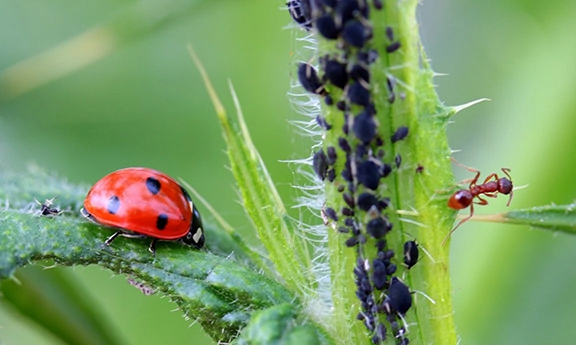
(143, 202)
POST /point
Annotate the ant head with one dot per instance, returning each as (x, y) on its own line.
(504, 186)
(460, 199)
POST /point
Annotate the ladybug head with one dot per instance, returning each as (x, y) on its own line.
(195, 235)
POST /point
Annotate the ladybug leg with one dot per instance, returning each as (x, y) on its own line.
(152, 247)
(111, 238)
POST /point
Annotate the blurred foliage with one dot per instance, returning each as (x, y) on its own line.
(145, 105)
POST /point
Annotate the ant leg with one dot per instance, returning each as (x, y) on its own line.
(459, 223)
(482, 201)
(475, 178)
(490, 195)
(489, 177)
(510, 199)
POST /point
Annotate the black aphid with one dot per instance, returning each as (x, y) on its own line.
(300, 13)
(368, 174)
(399, 298)
(358, 94)
(398, 160)
(392, 47)
(320, 164)
(331, 213)
(400, 134)
(378, 227)
(410, 254)
(344, 145)
(385, 170)
(336, 73)
(355, 34)
(327, 27)
(309, 79)
(364, 127)
(322, 121)
(366, 201)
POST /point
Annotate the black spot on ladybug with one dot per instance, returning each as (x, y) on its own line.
(153, 185)
(309, 79)
(161, 221)
(113, 204)
(400, 134)
(327, 27)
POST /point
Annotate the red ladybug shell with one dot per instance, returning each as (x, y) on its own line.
(147, 202)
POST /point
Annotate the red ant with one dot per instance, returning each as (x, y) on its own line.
(465, 197)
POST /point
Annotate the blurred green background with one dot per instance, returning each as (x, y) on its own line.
(144, 105)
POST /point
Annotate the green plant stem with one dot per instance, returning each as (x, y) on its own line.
(417, 107)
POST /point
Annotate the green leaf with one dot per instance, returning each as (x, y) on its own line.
(554, 217)
(279, 325)
(287, 250)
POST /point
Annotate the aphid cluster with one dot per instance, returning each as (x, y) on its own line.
(359, 162)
